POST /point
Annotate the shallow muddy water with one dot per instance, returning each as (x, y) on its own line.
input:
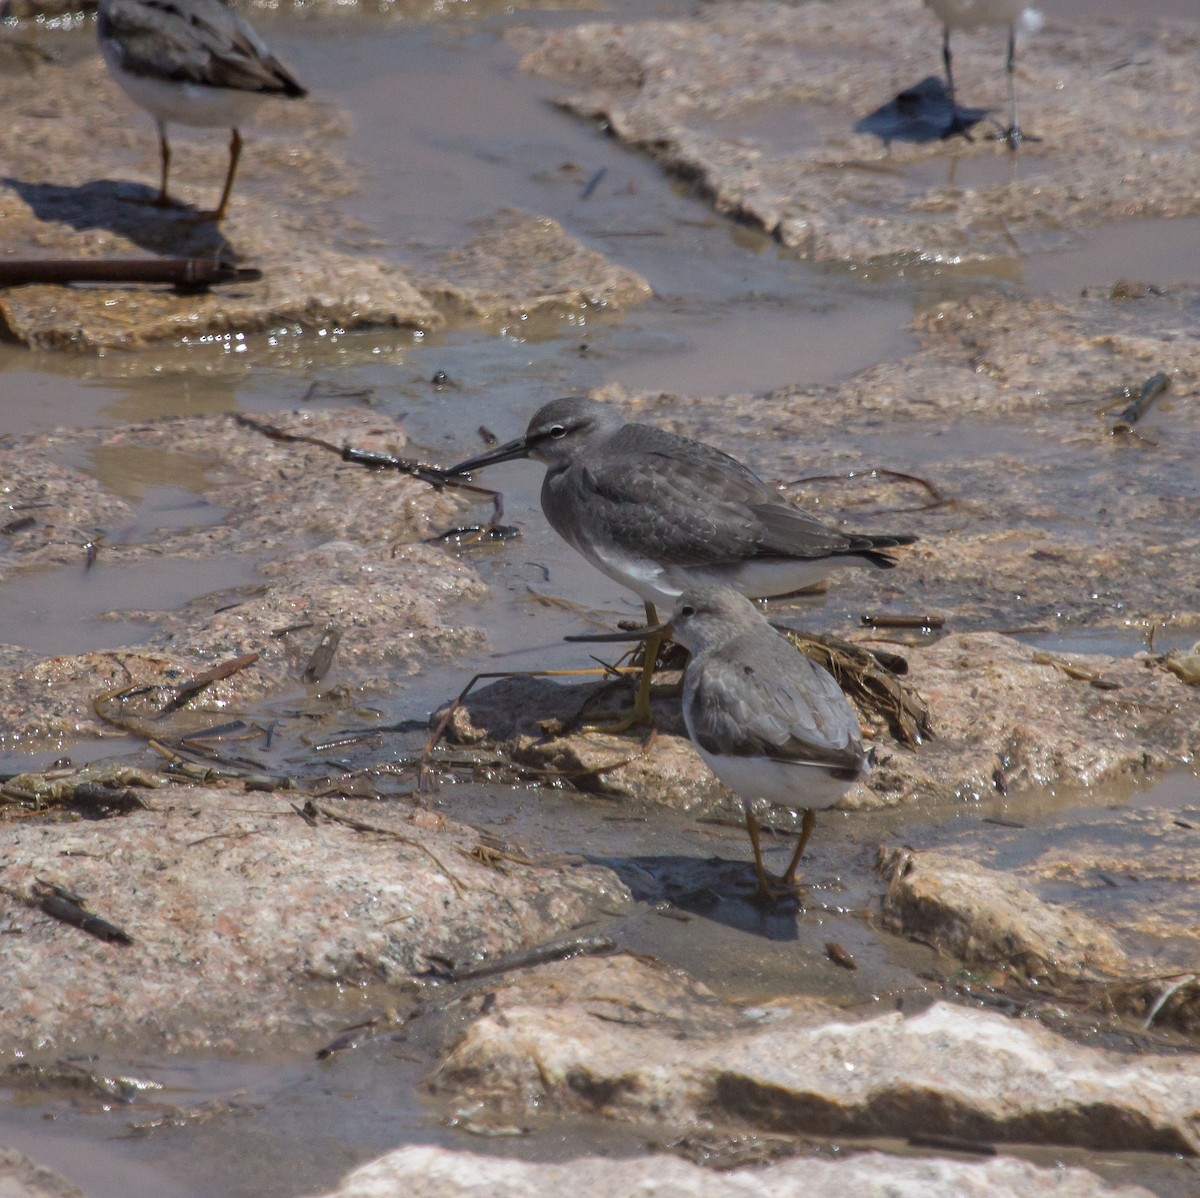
(444, 132)
(276, 1121)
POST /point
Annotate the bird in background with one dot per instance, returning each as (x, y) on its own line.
(191, 62)
(968, 15)
(767, 720)
(662, 514)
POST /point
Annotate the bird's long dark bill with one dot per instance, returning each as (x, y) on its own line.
(502, 453)
(637, 634)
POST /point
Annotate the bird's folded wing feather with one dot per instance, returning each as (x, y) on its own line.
(760, 700)
(678, 516)
(788, 531)
(719, 510)
(192, 41)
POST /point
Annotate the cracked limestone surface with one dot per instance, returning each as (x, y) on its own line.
(331, 544)
(1098, 906)
(66, 195)
(443, 1173)
(629, 1040)
(249, 921)
(22, 1178)
(723, 98)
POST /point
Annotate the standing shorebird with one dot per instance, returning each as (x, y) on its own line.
(662, 514)
(191, 62)
(979, 14)
(768, 721)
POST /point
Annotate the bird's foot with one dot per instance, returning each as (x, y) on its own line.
(772, 891)
(617, 723)
(1012, 136)
(471, 534)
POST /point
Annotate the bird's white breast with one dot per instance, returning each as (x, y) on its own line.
(642, 576)
(662, 585)
(174, 103)
(976, 14)
(758, 578)
(791, 784)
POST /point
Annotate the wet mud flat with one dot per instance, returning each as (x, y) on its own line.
(996, 942)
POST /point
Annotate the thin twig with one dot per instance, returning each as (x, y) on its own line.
(362, 826)
(937, 498)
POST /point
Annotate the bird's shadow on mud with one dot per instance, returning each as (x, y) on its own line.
(710, 888)
(922, 113)
(126, 209)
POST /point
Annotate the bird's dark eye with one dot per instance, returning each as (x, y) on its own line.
(687, 610)
(558, 431)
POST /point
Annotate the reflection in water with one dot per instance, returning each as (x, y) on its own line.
(181, 392)
(54, 611)
(131, 470)
(1150, 251)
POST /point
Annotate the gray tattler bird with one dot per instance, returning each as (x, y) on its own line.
(1012, 15)
(191, 62)
(768, 721)
(662, 514)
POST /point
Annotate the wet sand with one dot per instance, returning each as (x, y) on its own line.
(735, 321)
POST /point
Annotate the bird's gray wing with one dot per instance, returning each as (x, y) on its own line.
(787, 531)
(679, 501)
(697, 506)
(761, 697)
(192, 41)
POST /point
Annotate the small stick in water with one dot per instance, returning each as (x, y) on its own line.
(930, 622)
(1152, 388)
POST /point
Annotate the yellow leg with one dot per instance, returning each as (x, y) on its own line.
(163, 199)
(771, 889)
(164, 154)
(235, 153)
(641, 705)
(807, 824)
(766, 889)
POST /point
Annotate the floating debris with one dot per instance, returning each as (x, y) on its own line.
(948, 1143)
(68, 907)
(588, 944)
(97, 790)
(839, 956)
(322, 656)
(1078, 672)
(325, 391)
(359, 1033)
(128, 707)
(186, 274)
(589, 188)
(1151, 389)
(924, 623)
